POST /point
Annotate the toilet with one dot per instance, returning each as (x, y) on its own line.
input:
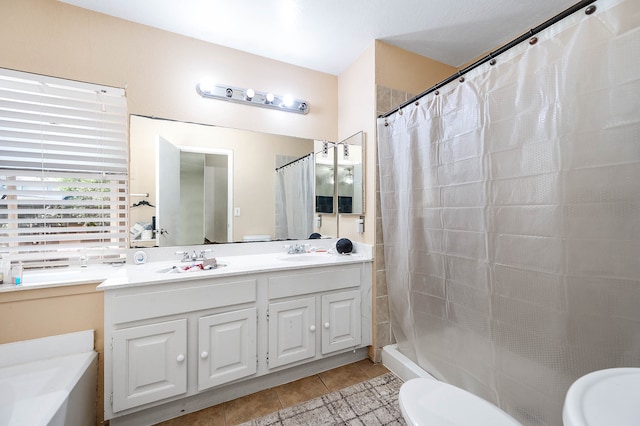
(429, 402)
(604, 397)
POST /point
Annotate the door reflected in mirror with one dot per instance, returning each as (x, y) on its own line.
(193, 189)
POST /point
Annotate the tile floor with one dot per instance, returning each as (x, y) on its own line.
(270, 400)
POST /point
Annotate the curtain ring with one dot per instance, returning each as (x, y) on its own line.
(437, 92)
(533, 40)
(589, 10)
(417, 103)
(493, 60)
(386, 123)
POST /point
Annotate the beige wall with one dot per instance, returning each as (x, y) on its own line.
(356, 109)
(253, 169)
(160, 69)
(406, 71)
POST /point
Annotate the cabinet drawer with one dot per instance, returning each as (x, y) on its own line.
(152, 304)
(313, 282)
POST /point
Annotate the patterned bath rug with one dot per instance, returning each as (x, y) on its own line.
(370, 403)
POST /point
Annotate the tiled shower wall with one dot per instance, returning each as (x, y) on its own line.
(386, 100)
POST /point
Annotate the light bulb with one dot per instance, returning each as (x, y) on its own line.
(249, 94)
(206, 86)
(270, 98)
(287, 100)
(348, 179)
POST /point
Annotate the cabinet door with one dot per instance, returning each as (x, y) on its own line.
(291, 331)
(341, 326)
(227, 347)
(149, 363)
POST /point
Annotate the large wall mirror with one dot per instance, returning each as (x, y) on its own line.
(218, 184)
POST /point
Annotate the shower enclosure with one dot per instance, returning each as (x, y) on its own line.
(294, 198)
(511, 215)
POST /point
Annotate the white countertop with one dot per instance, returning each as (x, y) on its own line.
(59, 277)
(235, 259)
(155, 272)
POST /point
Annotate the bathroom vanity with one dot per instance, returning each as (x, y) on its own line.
(179, 342)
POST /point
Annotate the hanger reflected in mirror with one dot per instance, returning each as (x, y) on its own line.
(142, 203)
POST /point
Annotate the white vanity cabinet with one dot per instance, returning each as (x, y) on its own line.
(293, 326)
(183, 344)
(177, 339)
(327, 319)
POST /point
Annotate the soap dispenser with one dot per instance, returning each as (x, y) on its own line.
(16, 274)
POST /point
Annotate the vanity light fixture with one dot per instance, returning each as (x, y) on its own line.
(252, 97)
(325, 148)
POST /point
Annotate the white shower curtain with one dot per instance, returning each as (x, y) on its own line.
(294, 199)
(511, 216)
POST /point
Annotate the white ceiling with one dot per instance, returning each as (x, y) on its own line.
(328, 35)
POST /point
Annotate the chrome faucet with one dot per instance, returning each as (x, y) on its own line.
(193, 256)
(298, 248)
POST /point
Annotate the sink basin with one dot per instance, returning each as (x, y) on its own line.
(604, 397)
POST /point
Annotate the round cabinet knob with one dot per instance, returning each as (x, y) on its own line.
(326, 325)
(204, 355)
(180, 358)
(312, 328)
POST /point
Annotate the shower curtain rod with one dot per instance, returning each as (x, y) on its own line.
(294, 161)
(576, 7)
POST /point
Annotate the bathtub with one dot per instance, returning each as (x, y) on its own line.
(49, 381)
(402, 366)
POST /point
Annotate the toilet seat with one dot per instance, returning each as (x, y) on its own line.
(428, 402)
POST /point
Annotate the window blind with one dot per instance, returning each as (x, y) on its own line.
(63, 170)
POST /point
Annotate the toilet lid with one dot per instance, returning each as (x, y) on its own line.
(433, 403)
(604, 397)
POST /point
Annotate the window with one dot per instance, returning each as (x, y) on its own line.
(63, 170)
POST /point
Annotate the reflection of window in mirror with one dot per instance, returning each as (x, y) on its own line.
(349, 175)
